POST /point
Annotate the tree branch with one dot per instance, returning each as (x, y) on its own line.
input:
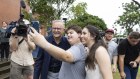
(136, 2)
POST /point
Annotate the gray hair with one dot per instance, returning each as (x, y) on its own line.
(54, 21)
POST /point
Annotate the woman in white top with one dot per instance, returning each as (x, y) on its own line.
(98, 65)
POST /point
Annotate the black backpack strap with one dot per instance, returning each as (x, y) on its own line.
(20, 41)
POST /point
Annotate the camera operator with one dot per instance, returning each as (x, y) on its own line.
(4, 42)
(21, 57)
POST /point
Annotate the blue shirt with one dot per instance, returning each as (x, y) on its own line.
(55, 64)
(43, 61)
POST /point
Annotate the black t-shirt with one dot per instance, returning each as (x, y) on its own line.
(130, 52)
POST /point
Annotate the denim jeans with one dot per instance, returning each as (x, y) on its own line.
(131, 73)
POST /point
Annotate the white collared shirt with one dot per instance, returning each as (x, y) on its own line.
(22, 56)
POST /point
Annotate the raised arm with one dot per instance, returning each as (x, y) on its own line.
(13, 41)
(54, 51)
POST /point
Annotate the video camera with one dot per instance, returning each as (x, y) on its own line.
(22, 28)
(22, 25)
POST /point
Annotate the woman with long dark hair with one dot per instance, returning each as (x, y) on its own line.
(98, 65)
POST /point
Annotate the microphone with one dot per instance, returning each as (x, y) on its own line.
(22, 4)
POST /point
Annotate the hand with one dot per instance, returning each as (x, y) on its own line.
(123, 75)
(114, 68)
(133, 64)
(37, 38)
(13, 30)
(26, 38)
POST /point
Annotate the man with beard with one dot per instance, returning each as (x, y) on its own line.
(112, 48)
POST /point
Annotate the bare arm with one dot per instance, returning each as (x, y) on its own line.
(104, 63)
(138, 59)
(54, 51)
(13, 42)
(121, 66)
(58, 53)
(115, 58)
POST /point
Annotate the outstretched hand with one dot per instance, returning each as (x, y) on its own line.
(37, 38)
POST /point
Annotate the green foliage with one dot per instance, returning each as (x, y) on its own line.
(88, 19)
(61, 6)
(43, 11)
(26, 15)
(48, 10)
(130, 17)
(80, 17)
(79, 9)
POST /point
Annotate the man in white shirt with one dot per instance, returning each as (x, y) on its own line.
(21, 57)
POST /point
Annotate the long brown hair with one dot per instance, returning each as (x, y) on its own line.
(94, 32)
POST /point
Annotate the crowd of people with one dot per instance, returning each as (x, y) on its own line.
(72, 53)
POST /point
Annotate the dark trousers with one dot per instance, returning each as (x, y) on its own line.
(131, 73)
(4, 49)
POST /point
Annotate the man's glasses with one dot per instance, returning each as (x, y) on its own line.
(57, 28)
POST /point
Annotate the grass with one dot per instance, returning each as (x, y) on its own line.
(117, 75)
